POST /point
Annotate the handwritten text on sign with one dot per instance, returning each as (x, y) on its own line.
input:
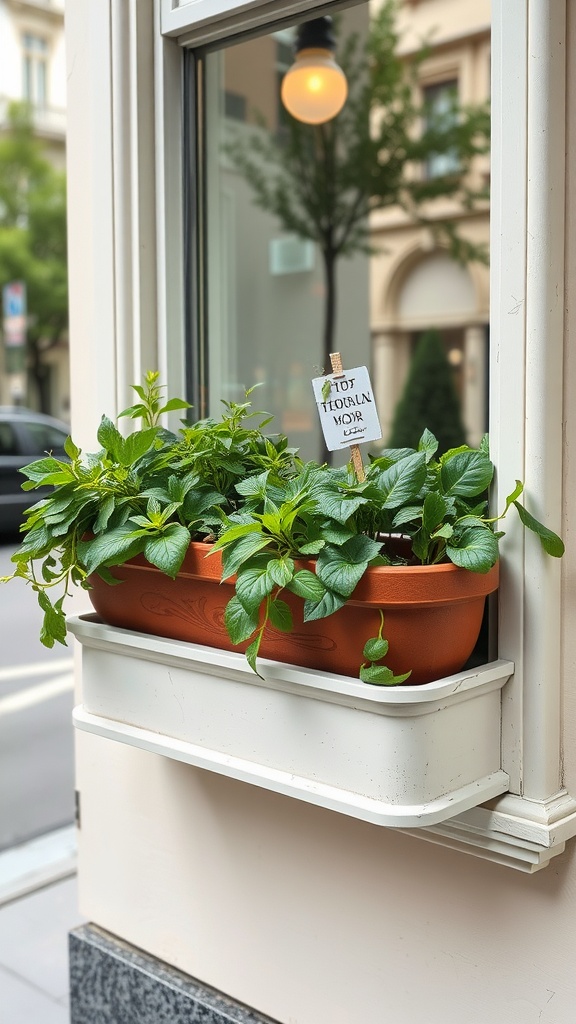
(347, 409)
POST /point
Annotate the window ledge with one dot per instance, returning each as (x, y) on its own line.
(404, 757)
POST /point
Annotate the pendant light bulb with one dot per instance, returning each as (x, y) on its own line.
(314, 89)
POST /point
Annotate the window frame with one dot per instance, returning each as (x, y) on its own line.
(128, 310)
(527, 248)
(35, 64)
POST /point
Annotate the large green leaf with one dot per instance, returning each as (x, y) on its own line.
(252, 586)
(329, 603)
(167, 550)
(428, 444)
(281, 571)
(466, 474)
(476, 549)
(336, 504)
(380, 675)
(280, 615)
(237, 554)
(110, 438)
(340, 569)
(433, 512)
(239, 623)
(110, 548)
(307, 585)
(550, 541)
(402, 481)
(136, 445)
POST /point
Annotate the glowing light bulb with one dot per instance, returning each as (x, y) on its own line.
(314, 89)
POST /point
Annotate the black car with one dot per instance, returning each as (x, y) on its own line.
(24, 436)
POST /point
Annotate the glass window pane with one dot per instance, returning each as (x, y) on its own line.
(334, 237)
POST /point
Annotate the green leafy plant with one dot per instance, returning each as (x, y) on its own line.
(282, 526)
(149, 493)
(439, 506)
(375, 650)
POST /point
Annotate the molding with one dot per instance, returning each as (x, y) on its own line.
(377, 812)
(201, 22)
(40, 9)
(488, 844)
(546, 823)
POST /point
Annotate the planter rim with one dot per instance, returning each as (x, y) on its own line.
(445, 583)
(90, 631)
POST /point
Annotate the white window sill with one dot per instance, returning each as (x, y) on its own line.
(404, 757)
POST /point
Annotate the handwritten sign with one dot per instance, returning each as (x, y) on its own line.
(347, 408)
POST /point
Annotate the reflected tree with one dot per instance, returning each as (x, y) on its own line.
(322, 182)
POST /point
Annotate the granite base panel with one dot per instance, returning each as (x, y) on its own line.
(112, 982)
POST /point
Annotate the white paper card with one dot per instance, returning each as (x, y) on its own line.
(347, 410)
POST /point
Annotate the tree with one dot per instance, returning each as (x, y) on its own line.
(323, 181)
(33, 239)
(429, 400)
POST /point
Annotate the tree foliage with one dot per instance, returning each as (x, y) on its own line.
(429, 400)
(33, 236)
(323, 181)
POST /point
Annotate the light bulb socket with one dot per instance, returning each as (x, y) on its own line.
(315, 35)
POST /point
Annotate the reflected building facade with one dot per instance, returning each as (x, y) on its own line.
(414, 284)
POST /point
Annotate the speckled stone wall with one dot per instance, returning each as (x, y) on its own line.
(112, 982)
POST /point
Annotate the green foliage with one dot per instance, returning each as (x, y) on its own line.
(226, 482)
(375, 650)
(33, 233)
(429, 399)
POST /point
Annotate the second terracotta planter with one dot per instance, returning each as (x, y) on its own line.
(432, 614)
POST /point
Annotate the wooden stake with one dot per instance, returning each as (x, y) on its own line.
(356, 457)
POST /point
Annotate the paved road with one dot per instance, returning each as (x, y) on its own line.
(36, 699)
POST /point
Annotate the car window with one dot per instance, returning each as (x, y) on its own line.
(46, 438)
(8, 445)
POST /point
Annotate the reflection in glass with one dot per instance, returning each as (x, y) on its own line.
(355, 236)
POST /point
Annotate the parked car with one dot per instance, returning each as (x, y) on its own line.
(24, 435)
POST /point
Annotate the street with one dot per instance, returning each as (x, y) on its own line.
(36, 736)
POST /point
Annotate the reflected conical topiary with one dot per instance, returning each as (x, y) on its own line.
(429, 400)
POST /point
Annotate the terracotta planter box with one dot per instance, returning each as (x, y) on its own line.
(401, 756)
(432, 614)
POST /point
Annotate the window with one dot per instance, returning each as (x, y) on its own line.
(8, 444)
(35, 69)
(439, 101)
(44, 437)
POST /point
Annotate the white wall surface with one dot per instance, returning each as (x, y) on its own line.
(311, 917)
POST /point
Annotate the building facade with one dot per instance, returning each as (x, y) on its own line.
(414, 284)
(33, 71)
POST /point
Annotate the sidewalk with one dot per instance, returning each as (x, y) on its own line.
(34, 926)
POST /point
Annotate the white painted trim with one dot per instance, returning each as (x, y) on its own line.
(198, 22)
(527, 272)
(289, 784)
(544, 366)
(414, 755)
(507, 331)
(522, 855)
